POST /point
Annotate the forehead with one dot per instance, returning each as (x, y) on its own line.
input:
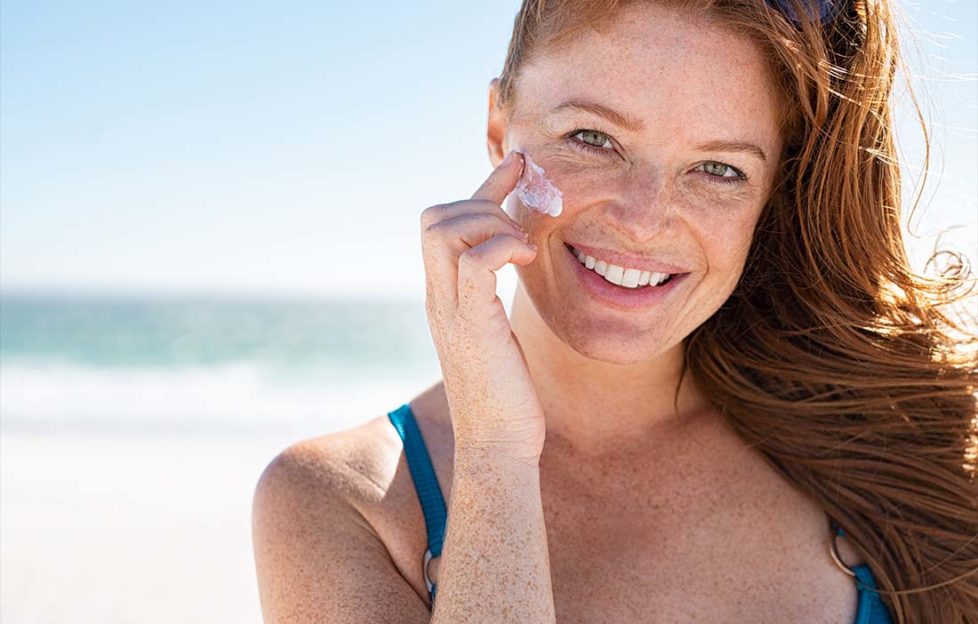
(665, 67)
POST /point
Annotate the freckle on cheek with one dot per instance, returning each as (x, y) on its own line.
(537, 192)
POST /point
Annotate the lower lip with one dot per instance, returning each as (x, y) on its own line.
(620, 296)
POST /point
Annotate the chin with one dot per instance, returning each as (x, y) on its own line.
(600, 341)
(615, 352)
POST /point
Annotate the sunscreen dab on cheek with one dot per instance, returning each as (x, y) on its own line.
(537, 192)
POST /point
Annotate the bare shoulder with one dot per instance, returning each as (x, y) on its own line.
(365, 465)
(322, 514)
(350, 464)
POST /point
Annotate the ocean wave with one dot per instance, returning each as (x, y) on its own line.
(229, 397)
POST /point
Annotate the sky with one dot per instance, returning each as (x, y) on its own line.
(289, 148)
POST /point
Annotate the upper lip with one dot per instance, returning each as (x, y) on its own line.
(643, 263)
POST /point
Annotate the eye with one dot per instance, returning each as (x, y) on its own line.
(716, 170)
(591, 141)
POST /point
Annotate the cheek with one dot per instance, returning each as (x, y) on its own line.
(726, 235)
(580, 186)
(722, 217)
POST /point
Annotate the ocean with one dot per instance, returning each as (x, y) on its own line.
(227, 365)
(134, 429)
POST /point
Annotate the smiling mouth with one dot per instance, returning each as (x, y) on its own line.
(624, 277)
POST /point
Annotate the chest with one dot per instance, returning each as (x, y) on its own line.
(701, 540)
(720, 555)
(618, 569)
(651, 558)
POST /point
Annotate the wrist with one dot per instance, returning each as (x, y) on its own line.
(482, 456)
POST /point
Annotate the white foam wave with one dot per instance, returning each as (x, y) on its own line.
(243, 396)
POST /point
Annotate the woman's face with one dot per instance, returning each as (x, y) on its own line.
(667, 188)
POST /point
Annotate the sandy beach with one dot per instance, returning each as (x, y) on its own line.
(125, 528)
(113, 527)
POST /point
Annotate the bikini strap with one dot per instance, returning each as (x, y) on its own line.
(865, 580)
(835, 527)
(425, 483)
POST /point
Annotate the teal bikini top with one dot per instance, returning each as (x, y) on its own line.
(871, 609)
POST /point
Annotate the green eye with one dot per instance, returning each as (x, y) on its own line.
(591, 141)
(716, 168)
(592, 137)
(717, 171)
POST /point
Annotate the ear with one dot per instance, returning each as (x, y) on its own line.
(498, 124)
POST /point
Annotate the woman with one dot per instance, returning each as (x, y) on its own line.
(779, 432)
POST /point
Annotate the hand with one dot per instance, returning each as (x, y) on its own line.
(490, 394)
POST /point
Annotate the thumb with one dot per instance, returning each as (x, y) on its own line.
(503, 179)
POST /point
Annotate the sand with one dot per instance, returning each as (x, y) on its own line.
(140, 527)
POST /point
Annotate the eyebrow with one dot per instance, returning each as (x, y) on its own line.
(733, 146)
(600, 110)
(636, 125)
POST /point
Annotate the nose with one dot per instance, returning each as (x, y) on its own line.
(645, 208)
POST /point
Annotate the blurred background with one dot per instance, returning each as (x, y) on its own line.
(209, 249)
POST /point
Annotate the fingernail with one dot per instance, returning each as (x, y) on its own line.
(508, 159)
(532, 246)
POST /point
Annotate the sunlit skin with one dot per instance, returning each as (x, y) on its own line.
(606, 377)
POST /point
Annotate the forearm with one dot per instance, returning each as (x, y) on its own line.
(495, 566)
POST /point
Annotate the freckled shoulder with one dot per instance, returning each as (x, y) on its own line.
(335, 534)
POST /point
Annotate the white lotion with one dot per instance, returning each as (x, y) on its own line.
(537, 192)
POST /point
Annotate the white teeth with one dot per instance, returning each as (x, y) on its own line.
(614, 274)
(630, 278)
(657, 278)
(621, 276)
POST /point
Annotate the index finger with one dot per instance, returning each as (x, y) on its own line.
(502, 180)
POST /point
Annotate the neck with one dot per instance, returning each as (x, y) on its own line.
(598, 408)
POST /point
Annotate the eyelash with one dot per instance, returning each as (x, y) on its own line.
(581, 145)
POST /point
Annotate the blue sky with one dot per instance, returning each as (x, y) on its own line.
(290, 147)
